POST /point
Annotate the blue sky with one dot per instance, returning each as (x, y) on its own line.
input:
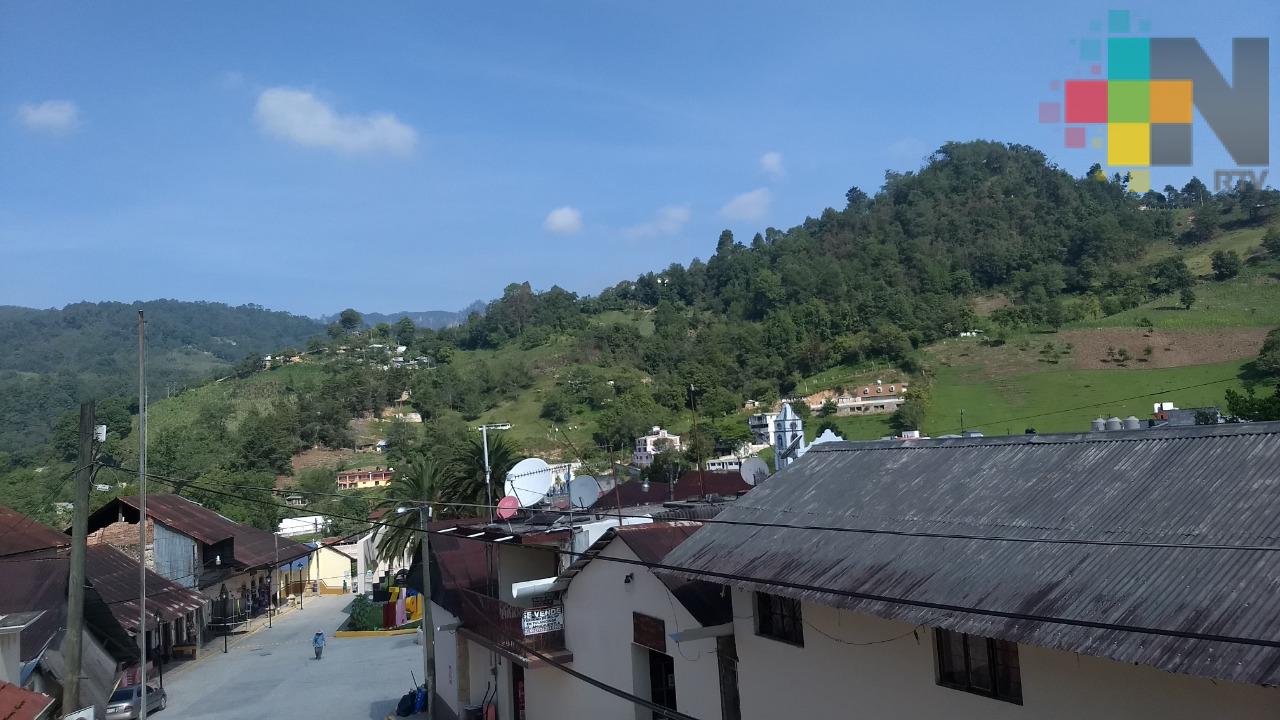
(400, 155)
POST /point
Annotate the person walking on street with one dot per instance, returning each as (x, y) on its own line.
(317, 641)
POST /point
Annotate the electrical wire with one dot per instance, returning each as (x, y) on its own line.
(849, 594)
(821, 528)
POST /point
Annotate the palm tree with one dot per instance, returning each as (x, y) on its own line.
(420, 480)
(466, 482)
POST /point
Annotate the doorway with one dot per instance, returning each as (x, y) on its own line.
(662, 681)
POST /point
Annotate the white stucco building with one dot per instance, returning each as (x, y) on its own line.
(620, 620)
(657, 441)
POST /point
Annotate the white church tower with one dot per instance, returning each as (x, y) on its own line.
(788, 437)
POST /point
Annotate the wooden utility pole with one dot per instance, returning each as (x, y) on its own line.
(428, 624)
(73, 644)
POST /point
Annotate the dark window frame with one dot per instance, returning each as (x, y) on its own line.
(1003, 673)
(779, 618)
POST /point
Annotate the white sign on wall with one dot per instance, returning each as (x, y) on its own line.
(542, 620)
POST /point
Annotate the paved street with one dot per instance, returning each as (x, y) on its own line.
(273, 673)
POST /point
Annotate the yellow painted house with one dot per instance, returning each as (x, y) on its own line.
(331, 570)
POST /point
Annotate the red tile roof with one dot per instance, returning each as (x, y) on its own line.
(19, 704)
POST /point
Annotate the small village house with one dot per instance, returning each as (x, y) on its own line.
(657, 441)
(229, 563)
(895, 623)
(627, 627)
(331, 569)
(363, 479)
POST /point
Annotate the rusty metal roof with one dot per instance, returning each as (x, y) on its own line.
(115, 576)
(1215, 484)
(36, 579)
(250, 548)
(692, 485)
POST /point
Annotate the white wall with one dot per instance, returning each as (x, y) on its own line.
(10, 663)
(517, 563)
(446, 658)
(598, 631)
(895, 679)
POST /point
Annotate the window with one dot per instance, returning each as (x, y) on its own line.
(779, 618)
(662, 682)
(979, 665)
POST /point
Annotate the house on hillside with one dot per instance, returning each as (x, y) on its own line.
(668, 640)
(236, 567)
(657, 441)
(869, 399)
(1090, 608)
(363, 479)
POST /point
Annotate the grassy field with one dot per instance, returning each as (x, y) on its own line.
(1066, 400)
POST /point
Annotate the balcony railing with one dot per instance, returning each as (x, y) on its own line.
(504, 625)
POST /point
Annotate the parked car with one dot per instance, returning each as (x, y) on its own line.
(124, 703)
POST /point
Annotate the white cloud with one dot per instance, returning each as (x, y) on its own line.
(51, 116)
(669, 220)
(301, 118)
(563, 221)
(750, 206)
(771, 164)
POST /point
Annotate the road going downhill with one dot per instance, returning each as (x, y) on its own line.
(273, 673)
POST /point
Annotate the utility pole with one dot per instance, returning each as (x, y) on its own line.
(693, 405)
(73, 646)
(142, 513)
(275, 572)
(428, 624)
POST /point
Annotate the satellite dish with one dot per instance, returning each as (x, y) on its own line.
(583, 491)
(753, 470)
(529, 481)
(508, 507)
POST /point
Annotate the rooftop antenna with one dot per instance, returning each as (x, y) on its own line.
(484, 438)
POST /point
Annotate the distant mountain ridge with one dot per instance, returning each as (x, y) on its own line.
(51, 359)
(433, 319)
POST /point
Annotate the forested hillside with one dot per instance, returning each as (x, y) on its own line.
(50, 359)
(1085, 292)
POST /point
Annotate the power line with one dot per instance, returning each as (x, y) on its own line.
(825, 528)
(857, 595)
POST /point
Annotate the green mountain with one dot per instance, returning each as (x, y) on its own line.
(50, 359)
(1092, 300)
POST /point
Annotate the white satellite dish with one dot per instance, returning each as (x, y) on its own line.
(753, 470)
(529, 481)
(583, 491)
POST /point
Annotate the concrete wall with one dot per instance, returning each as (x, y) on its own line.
(517, 564)
(598, 609)
(447, 670)
(174, 555)
(10, 663)
(330, 568)
(895, 679)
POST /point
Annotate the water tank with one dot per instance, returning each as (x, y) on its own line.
(1132, 423)
(1098, 425)
(1113, 423)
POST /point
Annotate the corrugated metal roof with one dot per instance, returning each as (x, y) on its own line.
(37, 580)
(251, 547)
(115, 576)
(1204, 485)
(692, 484)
